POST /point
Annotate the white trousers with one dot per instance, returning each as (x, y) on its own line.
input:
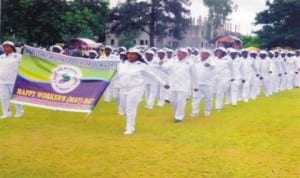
(246, 89)
(5, 94)
(178, 101)
(151, 94)
(129, 101)
(234, 91)
(205, 91)
(222, 86)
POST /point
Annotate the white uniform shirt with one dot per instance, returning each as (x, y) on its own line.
(236, 68)
(264, 67)
(222, 68)
(132, 75)
(9, 65)
(180, 74)
(246, 68)
(205, 72)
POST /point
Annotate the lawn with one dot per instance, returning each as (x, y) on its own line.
(256, 139)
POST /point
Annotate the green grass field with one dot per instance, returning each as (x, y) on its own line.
(256, 139)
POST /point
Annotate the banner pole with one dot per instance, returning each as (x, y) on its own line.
(87, 117)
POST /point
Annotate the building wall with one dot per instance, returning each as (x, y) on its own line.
(194, 36)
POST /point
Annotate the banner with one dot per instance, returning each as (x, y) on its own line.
(54, 81)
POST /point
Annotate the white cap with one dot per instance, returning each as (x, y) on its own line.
(205, 51)
(263, 52)
(93, 52)
(184, 50)
(149, 51)
(134, 50)
(168, 50)
(61, 50)
(220, 48)
(232, 50)
(161, 51)
(10, 44)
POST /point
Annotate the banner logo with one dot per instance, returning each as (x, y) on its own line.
(65, 78)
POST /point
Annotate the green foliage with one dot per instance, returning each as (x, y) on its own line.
(156, 18)
(281, 25)
(217, 15)
(251, 41)
(50, 21)
(126, 38)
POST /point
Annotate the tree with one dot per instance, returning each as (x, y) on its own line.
(250, 41)
(217, 15)
(50, 21)
(154, 17)
(281, 25)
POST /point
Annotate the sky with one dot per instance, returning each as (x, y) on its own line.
(243, 17)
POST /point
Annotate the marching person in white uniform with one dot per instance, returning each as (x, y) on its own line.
(222, 77)
(236, 77)
(180, 73)
(205, 76)
(297, 69)
(9, 65)
(256, 83)
(162, 94)
(151, 85)
(265, 72)
(247, 74)
(132, 74)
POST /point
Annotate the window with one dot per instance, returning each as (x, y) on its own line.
(141, 42)
(112, 42)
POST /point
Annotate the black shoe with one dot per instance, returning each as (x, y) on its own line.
(178, 121)
(167, 101)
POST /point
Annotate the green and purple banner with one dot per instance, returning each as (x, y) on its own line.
(54, 81)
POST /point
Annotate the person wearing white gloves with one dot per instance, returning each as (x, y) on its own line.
(132, 74)
(247, 74)
(151, 85)
(180, 73)
(265, 72)
(9, 65)
(222, 77)
(205, 76)
(236, 76)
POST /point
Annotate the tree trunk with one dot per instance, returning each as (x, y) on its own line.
(152, 25)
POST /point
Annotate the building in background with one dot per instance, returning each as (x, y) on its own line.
(194, 36)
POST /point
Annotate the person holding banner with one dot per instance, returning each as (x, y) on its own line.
(132, 74)
(9, 65)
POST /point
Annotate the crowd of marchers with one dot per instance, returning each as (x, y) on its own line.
(159, 76)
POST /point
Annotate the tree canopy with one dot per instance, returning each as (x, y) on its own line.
(155, 17)
(50, 21)
(217, 15)
(281, 24)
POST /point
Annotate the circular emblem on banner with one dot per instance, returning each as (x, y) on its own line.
(65, 78)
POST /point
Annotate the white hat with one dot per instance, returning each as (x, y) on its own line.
(109, 47)
(263, 52)
(206, 51)
(161, 51)
(232, 50)
(184, 50)
(245, 50)
(168, 50)
(93, 52)
(220, 48)
(61, 50)
(10, 44)
(134, 50)
(149, 51)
